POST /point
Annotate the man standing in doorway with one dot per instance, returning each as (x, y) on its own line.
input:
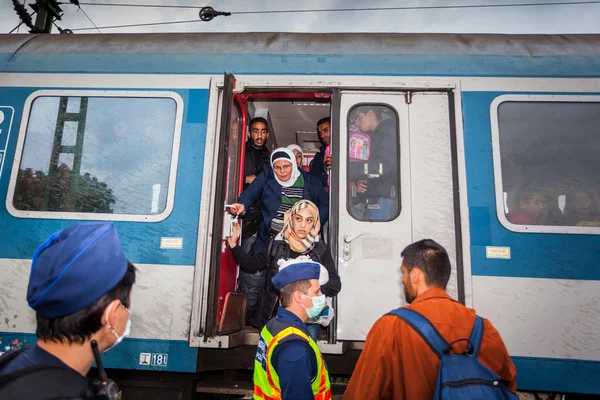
(256, 158)
(321, 162)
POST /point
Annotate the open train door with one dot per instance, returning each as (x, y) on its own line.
(225, 307)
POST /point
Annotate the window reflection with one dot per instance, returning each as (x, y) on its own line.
(373, 163)
(549, 162)
(97, 155)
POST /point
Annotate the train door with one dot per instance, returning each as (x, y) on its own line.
(395, 186)
(225, 307)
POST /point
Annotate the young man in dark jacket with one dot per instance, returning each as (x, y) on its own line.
(321, 163)
(256, 159)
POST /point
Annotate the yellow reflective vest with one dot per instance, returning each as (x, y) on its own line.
(266, 381)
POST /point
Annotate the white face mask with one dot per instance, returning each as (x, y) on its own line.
(114, 331)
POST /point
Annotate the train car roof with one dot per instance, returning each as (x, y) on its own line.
(17, 50)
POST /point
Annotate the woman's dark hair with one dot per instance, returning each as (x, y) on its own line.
(79, 327)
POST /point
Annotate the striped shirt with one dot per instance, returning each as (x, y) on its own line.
(289, 196)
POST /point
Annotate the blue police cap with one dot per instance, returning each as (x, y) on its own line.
(299, 270)
(75, 267)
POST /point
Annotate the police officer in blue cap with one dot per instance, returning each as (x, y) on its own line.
(288, 363)
(80, 287)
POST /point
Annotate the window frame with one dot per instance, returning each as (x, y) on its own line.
(497, 165)
(398, 169)
(87, 216)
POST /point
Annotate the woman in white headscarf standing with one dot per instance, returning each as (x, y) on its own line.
(298, 153)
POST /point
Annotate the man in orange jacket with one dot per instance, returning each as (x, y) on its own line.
(396, 363)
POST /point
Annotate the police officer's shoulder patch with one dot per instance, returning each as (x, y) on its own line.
(261, 353)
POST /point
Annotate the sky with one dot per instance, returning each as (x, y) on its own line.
(542, 19)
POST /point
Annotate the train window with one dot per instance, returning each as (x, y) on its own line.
(99, 155)
(548, 153)
(373, 156)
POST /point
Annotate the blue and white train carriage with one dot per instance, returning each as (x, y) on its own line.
(499, 158)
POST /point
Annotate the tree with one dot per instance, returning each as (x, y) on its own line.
(62, 190)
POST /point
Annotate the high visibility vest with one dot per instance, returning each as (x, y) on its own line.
(266, 381)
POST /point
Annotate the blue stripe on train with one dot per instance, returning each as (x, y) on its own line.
(557, 375)
(307, 64)
(533, 255)
(141, 241)
(131, 353)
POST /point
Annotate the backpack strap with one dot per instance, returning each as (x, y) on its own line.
(424, 328)
(477, 335)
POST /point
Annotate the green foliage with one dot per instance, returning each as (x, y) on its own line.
(62, 190)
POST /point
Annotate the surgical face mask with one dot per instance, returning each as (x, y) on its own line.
(318, 303)
(114, 331)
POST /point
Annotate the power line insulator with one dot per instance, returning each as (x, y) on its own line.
(208, 13)
(22, 13)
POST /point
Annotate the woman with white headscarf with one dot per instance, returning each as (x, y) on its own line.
(279, 188)
(298, 153)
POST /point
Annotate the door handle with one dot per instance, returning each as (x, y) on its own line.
(350, 238)
(346, 248)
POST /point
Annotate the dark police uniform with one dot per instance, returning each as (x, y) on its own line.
(70, 271)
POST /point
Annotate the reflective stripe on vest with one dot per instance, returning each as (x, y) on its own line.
(266, 381)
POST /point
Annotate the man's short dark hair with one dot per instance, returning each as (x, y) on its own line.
(79, 327)
(431, 258)
(286, 292)
(377, 110)
(256, 120)
(323, 120)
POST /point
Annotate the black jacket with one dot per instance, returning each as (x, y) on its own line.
(41, 382)
(254, 162)
(317, 168)
(279, 249)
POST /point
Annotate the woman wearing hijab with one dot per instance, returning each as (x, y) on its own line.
(280, 187)
(298, 153)
(299, 237)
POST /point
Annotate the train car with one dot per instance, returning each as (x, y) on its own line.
(498, 153)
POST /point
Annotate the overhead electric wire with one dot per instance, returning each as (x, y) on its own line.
(88, 17)
(137, 5)
(459, 6)
(134, 25)
(16, 28)
(22, 22)
(547, 3)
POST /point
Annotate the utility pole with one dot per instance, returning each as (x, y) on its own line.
(47, 12)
